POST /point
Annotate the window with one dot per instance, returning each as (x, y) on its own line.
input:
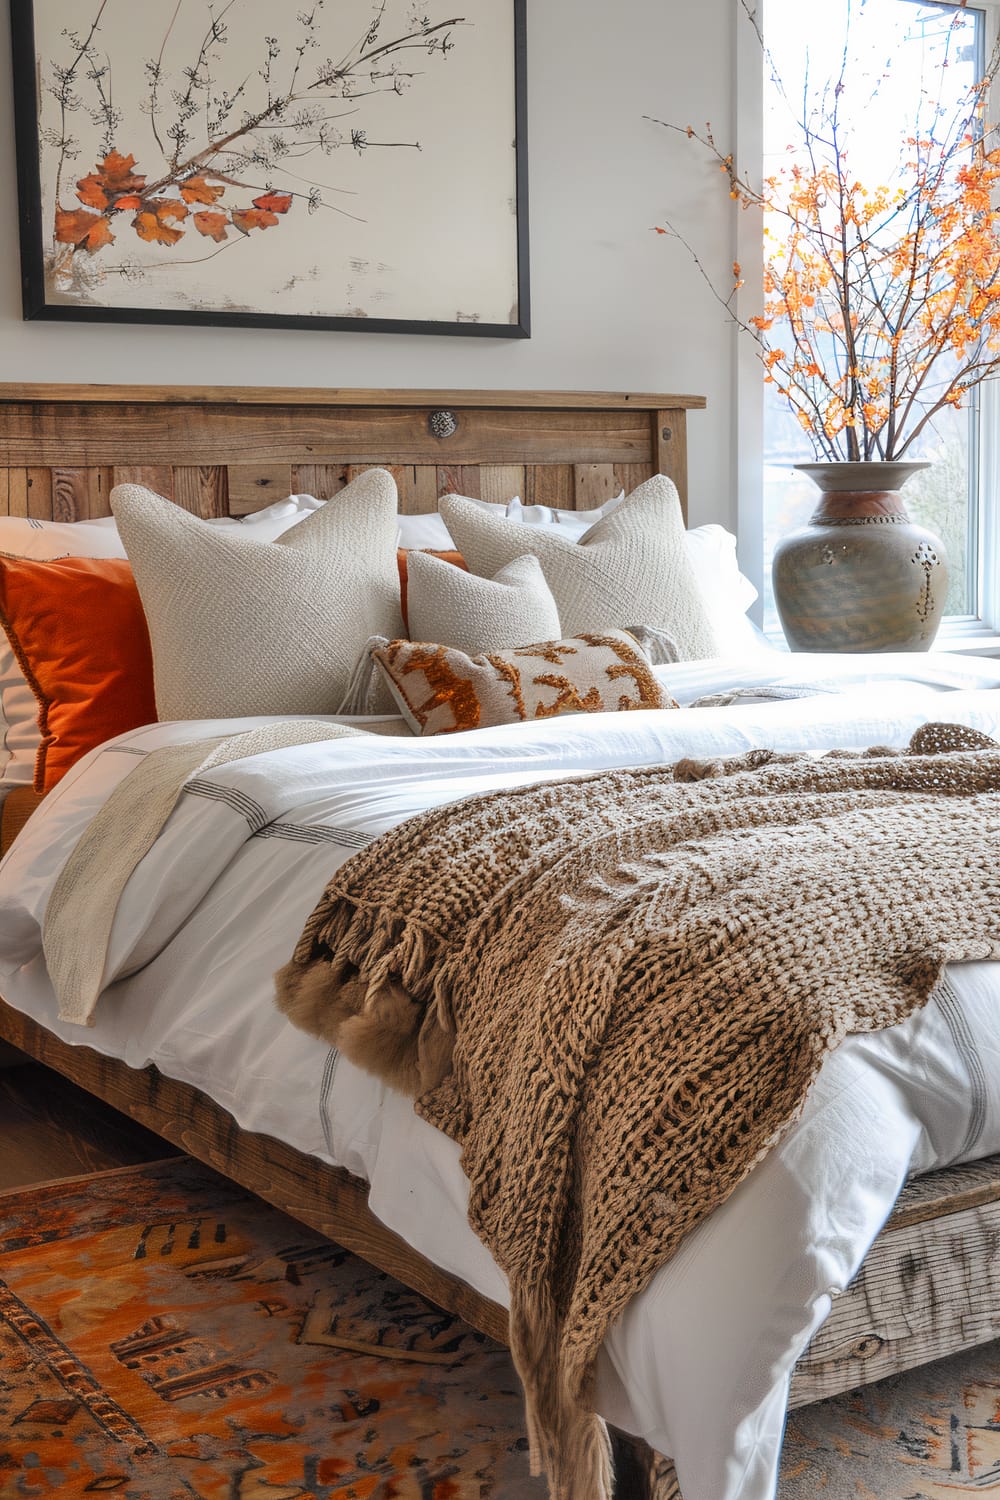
(894, 52)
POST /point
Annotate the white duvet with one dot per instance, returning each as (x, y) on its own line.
(699, 1365)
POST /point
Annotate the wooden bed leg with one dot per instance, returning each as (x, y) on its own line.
(641, 1474)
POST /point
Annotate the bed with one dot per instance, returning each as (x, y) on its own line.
(928, 1284)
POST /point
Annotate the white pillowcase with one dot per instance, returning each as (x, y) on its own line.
(427, 532)
(44, 540)
(727, 593)
(430, 533)
(572, 523)
(453, 608)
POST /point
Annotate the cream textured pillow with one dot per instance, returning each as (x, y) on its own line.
(632, 567)
(456, 608)
(242, 627)
(440, 690)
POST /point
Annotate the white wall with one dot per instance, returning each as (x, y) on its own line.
(614, 306)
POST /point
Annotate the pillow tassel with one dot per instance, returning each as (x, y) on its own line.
(661, 648)
(362, 691)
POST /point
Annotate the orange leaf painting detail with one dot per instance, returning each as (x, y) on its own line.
(197, 190)
(214, 225)
(151, 225)
(253, 218)
(116, 173)
(112, 185)
(91, 190)
(85, 230)
(275, 203)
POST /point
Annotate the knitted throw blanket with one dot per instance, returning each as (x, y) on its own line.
(615, 991)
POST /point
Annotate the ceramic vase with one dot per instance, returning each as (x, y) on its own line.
(861, 576)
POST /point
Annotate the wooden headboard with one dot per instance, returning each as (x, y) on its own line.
(232, 450)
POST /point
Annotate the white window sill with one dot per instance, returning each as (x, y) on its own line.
(967, 637)
(983, 643)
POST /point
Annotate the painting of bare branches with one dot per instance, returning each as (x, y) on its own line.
(336, 164)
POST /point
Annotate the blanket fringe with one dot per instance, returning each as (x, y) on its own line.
(379, 992)
(568, 1441)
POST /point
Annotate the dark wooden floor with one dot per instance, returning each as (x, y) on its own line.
(49, 1129)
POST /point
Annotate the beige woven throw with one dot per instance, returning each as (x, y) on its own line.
(615, 992)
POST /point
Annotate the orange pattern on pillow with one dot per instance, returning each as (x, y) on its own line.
(452, 557)
(77, 629)
(441, 690)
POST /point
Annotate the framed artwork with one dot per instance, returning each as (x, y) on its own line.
(338, 164)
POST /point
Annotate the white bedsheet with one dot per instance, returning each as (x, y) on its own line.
(699, 1364)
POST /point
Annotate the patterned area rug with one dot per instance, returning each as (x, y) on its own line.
(166, 1336)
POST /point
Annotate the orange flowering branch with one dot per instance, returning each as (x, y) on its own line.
(881, 303)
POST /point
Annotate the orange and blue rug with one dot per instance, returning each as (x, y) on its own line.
(164, 1335)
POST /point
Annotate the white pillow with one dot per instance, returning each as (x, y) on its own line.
(631, 568)
(430, 531)
(240, 626)
(573, 524)
(44, 540)
(726, 592)
(26, 537)
(453, 608)
(426, 531)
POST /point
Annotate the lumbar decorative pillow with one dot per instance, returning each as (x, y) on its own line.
(447, 605)
(632, 565)
(440, 690)
(242, 627)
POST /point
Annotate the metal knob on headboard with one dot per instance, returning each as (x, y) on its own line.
(442, 423)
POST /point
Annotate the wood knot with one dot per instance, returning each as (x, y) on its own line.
(867, 1345)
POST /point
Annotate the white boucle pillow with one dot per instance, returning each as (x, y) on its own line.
(246, 627)
(726, 592)
(454, 608)
(631, 568)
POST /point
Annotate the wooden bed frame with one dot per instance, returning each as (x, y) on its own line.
(930, 1285)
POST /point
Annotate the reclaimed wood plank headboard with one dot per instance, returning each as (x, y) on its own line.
(222, 450)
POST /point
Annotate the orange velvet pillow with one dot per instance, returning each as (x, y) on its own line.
(452, 557)
(78, 631)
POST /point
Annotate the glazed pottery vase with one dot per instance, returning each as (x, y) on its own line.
(861, 576)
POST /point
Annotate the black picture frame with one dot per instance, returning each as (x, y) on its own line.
(37, 305)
